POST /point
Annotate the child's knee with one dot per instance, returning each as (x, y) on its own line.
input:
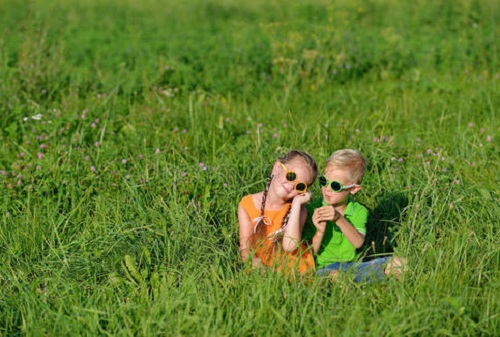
(395, 266)
(334, 274)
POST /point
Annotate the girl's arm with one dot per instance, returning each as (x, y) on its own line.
(246, 232)
(296, 221)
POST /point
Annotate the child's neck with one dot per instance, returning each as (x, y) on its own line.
(274, 202)
(341, 208)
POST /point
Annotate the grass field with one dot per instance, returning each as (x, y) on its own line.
(130, 130)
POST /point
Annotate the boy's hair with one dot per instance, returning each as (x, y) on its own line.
(351, 160)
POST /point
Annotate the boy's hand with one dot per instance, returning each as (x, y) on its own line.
(326, 213)
(319, 221)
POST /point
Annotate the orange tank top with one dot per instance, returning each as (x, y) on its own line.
(272, 219)
(267, 246)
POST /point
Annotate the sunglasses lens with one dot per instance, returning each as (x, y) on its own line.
(291, 176)
(322, 181)
(336, 186)
(300, 187)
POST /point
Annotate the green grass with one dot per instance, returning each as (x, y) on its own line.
(118, 206)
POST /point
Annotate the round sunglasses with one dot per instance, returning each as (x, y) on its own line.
(291, 176)
(334, 185)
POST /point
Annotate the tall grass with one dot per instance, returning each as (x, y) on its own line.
(130, 130)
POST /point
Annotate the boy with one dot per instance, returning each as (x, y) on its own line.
(337, 226)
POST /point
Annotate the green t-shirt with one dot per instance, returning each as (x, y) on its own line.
(335, 247)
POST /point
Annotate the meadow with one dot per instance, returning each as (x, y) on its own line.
(131, 129)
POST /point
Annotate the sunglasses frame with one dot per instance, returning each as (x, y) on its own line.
(329, 184)
(287, 171)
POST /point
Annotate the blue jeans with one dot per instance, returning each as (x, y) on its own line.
(368, 271)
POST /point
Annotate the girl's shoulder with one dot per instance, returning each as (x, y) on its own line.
(251, 200)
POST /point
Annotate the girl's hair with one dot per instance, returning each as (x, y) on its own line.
(285, 159)
(350, 160)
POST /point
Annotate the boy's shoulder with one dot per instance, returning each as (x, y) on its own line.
(356, 209)
(355, 203)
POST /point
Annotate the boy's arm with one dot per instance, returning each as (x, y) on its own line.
(355, 226)
(320, 231)
(329, 213)
(315, 227)
(352, 235)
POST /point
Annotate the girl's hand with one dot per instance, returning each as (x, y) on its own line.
(302, 199)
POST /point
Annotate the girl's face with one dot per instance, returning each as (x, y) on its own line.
(283, 187)
(342, 176)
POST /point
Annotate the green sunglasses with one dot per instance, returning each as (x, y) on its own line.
(334, 185)
(291, 176)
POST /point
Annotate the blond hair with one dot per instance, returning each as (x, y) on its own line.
(350, 160)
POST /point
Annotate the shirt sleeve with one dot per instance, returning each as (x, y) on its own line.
(359, 218)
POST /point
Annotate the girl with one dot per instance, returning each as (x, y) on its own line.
(271, 221)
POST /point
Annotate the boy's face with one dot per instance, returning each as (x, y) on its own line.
(342, 176)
